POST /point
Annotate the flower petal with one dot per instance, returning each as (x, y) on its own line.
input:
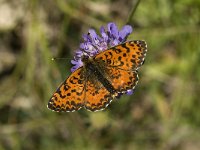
(77, 63)
(113, 30)
(129, 92)
(103, 34)
(94, 37)
(124, 32)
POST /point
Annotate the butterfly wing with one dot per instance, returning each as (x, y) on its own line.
(119, 64)
(97, 97)
(122, 80)
(127, 56)
(70, 95)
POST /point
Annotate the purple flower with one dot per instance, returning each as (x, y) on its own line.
(94, 44)
(129, 92)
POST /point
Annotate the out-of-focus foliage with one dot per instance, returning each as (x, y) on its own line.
(164, 111)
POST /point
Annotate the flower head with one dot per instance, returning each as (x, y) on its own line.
(94, 44)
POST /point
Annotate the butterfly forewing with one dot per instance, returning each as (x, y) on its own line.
(70, 95)
(127, 56)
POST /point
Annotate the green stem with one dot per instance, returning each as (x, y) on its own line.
(133, 12)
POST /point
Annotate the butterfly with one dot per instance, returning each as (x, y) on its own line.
(101, 78)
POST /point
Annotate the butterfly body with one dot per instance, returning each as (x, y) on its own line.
(96, 72)
(101, 78)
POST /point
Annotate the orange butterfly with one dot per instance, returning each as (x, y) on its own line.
(100, 79)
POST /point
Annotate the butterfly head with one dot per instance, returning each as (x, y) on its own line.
(84, 58)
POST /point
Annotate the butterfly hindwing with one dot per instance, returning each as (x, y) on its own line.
(97, 97)
(122, 80)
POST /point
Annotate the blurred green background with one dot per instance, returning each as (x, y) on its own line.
(164, 111)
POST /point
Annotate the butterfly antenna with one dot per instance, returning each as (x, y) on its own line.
(59, 58)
